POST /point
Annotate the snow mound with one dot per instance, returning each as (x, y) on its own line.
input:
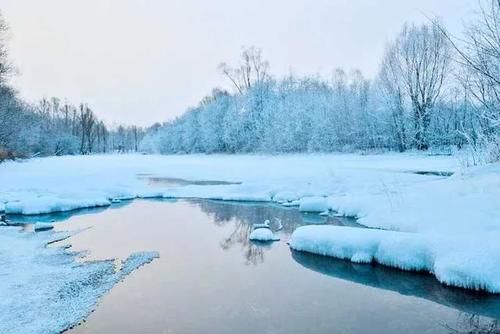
(44, 290)
(263, 234)
(285, 196)
(314, 204)
(31, 205)
(457, 260)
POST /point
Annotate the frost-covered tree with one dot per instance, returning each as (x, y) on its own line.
(478, 56)
(415, 66)
(252, 70)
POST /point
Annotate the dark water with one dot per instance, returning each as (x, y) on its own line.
(173, 181)
(432, 173)
(211, 279)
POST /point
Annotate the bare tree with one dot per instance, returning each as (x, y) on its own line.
(416, 64)
(253, 69)
(479, 53)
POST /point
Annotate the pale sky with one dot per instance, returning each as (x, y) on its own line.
(143, 61)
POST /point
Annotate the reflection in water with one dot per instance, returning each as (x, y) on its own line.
(173, 181)
(236, 220)
(407, 283)
(244, 215)
(252, 212)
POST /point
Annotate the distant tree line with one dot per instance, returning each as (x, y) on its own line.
(53, 127)
(433, 91)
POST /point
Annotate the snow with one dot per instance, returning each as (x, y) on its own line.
(34, 204)
(263, 225)
(382, 191)
(44, 185)
(285, 196)
(457, 261)
(263, 234)
(314, 204)
(44, 289)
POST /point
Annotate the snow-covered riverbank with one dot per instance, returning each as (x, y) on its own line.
(65, 183)
(450, 223)
(45, 289)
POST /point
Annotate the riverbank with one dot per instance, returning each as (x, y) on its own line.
(408, 193)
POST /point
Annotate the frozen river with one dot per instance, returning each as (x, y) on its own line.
(211, 279)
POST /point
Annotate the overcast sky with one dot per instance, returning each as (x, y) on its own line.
(142, 61)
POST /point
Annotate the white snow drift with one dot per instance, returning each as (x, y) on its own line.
(453, 260)
(263, 234)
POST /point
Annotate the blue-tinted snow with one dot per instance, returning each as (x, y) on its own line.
(44, 289)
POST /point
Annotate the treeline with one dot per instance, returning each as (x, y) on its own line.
(432, 91)
(53, 127)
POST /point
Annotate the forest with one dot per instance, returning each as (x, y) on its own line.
(433, 92)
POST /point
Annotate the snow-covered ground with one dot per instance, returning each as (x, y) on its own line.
(447, 225)
(66, 183)
(44, 289)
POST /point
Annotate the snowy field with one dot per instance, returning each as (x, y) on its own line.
(449, 226)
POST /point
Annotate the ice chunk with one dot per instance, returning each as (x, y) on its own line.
(313, 204)
(263, 234)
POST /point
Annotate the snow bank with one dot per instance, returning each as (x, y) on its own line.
(457, 260)
(285, 196)
(263, 234)
(314, 204)
(44, 290)
(34, 205)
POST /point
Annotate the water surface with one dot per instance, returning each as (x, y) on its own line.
(211, 279)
